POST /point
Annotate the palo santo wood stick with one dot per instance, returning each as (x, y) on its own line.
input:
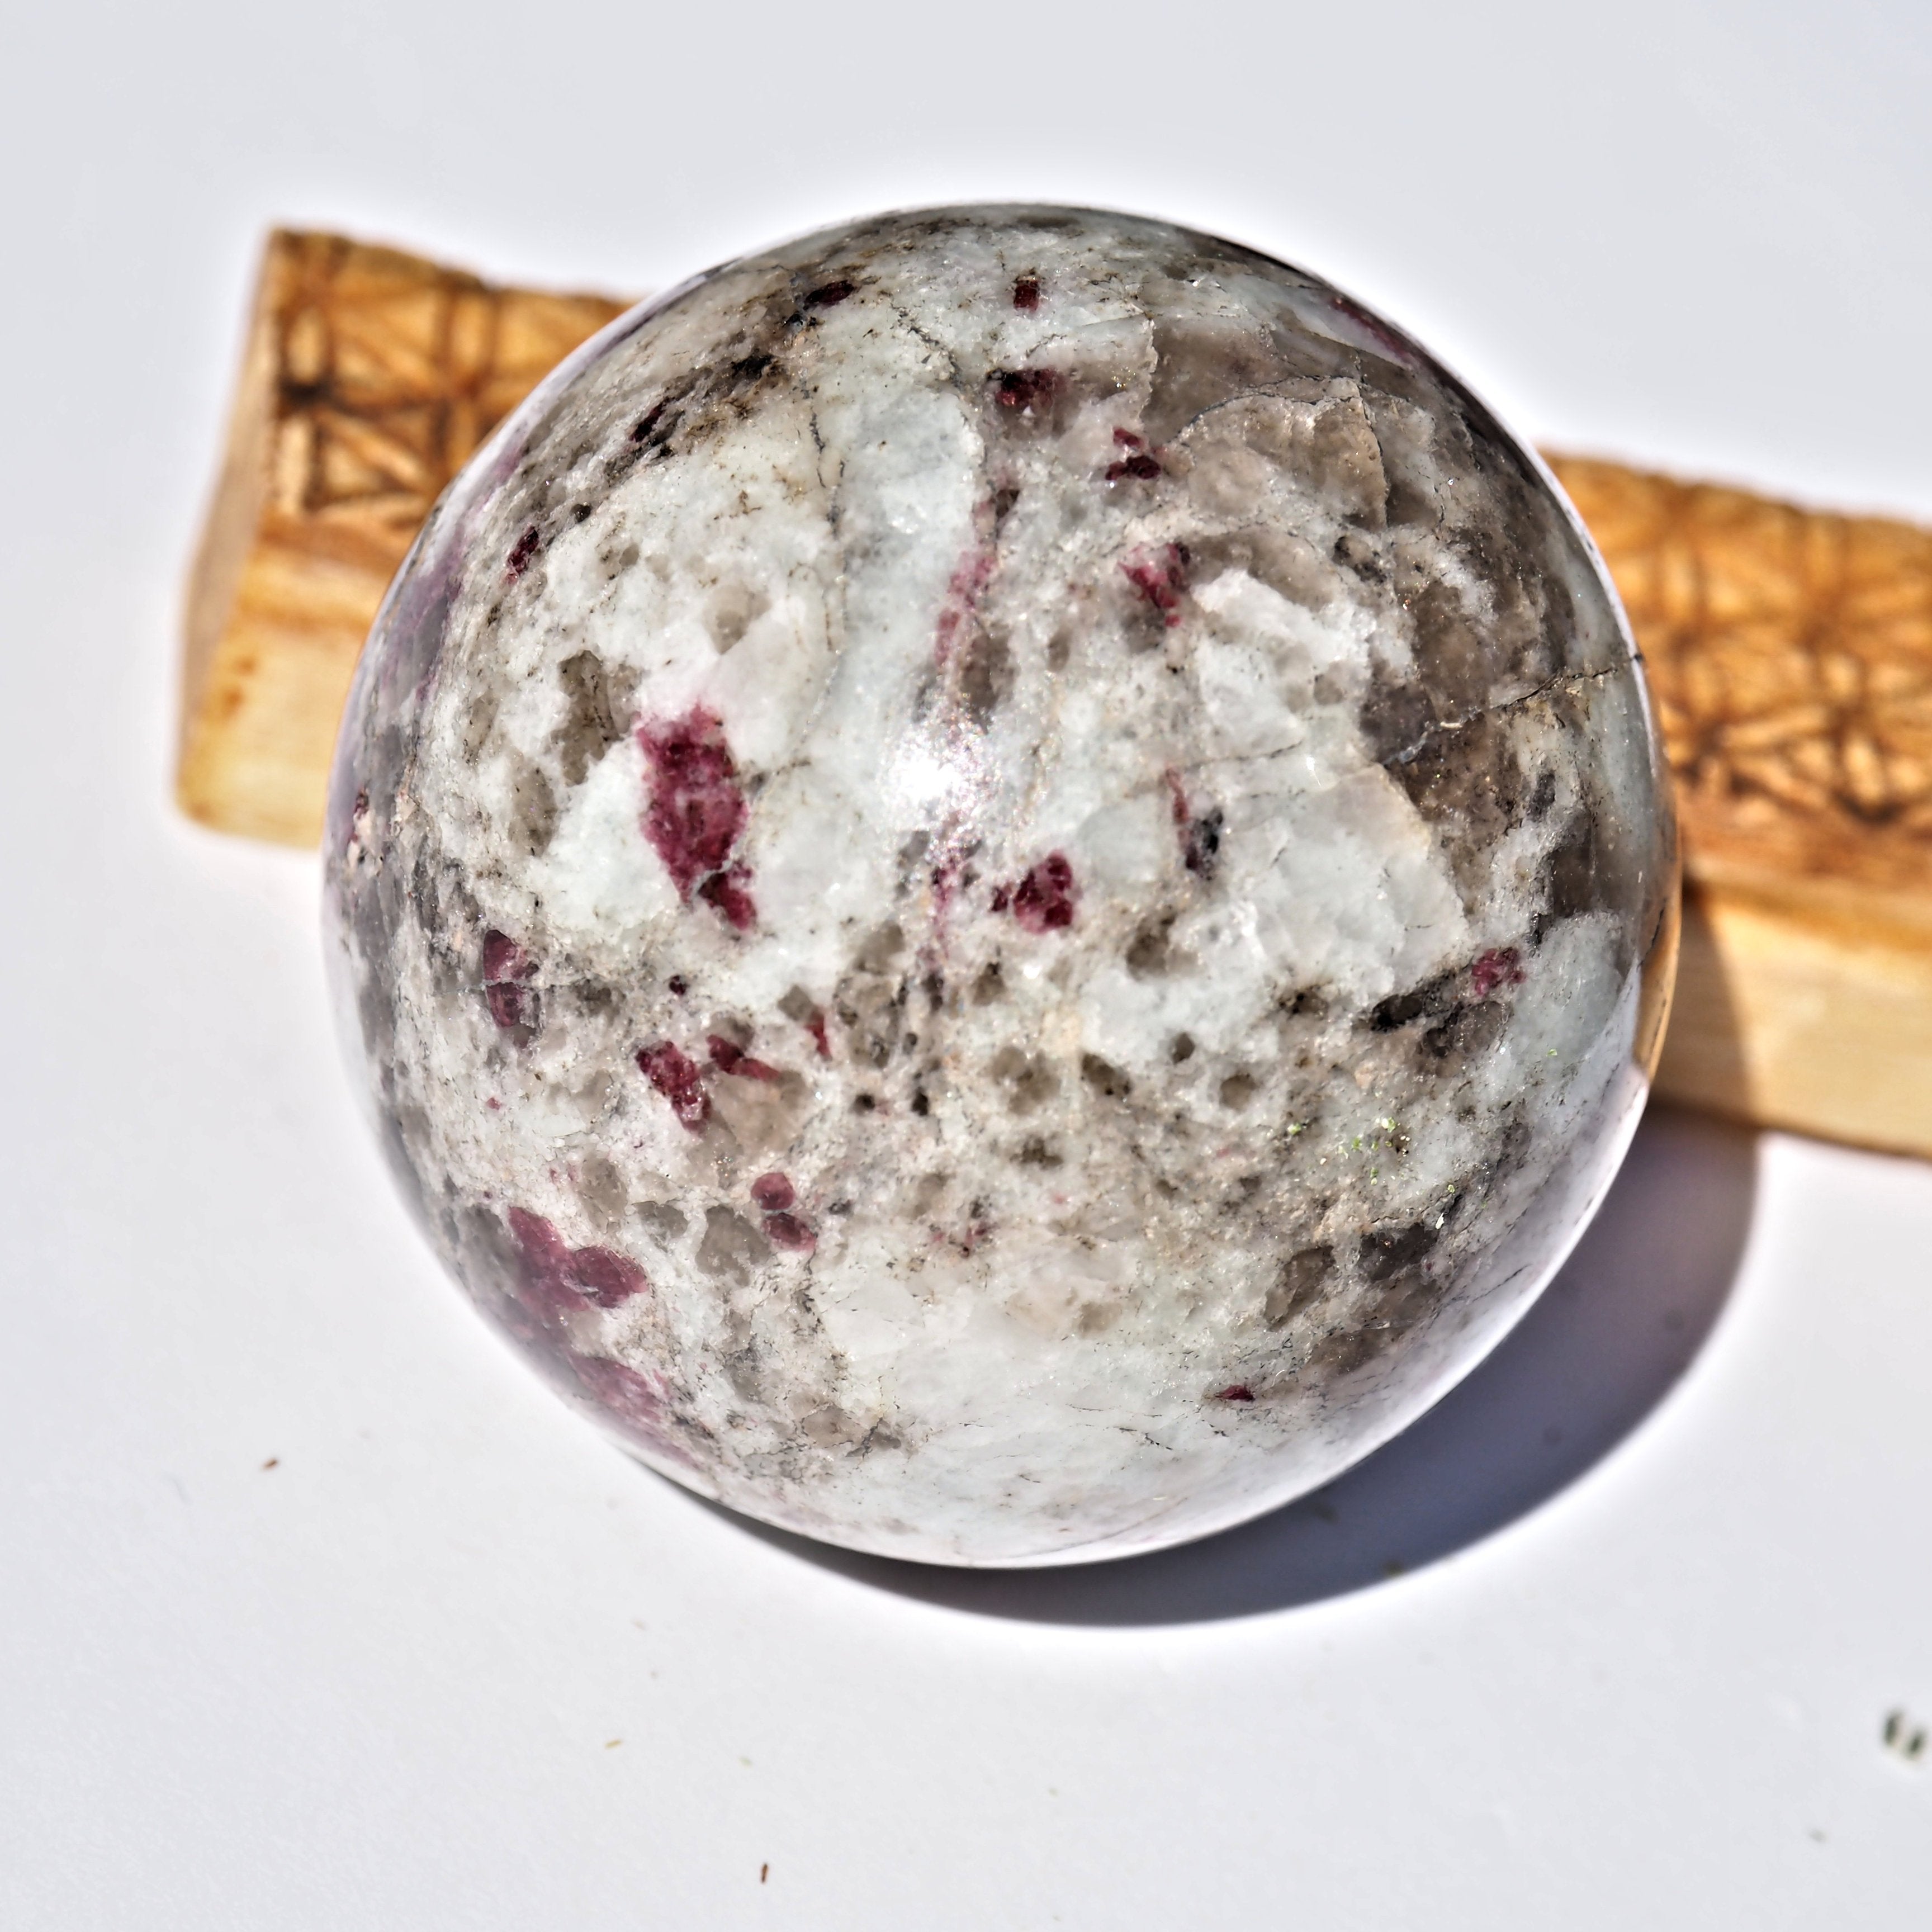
(1790, 653)
(369, 379)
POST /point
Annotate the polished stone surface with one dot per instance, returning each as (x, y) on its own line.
(1004, 882)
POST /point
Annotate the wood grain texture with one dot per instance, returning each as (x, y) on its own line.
(369, 378)
(1789, 653)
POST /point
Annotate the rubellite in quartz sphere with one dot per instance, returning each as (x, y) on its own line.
(1004, 883)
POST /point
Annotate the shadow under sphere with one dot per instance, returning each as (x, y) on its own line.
(1599, 1351)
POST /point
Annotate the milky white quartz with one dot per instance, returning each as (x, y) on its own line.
(1003, 881)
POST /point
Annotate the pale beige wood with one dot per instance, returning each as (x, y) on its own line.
(1786, 1018)
(368, 379)
(1789, 652)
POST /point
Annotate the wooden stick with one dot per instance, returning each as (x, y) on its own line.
(369, 378)
(1789, 652)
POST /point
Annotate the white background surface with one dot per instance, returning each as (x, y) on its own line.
(1660, 1570)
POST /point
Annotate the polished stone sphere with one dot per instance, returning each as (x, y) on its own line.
(1003, 881)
